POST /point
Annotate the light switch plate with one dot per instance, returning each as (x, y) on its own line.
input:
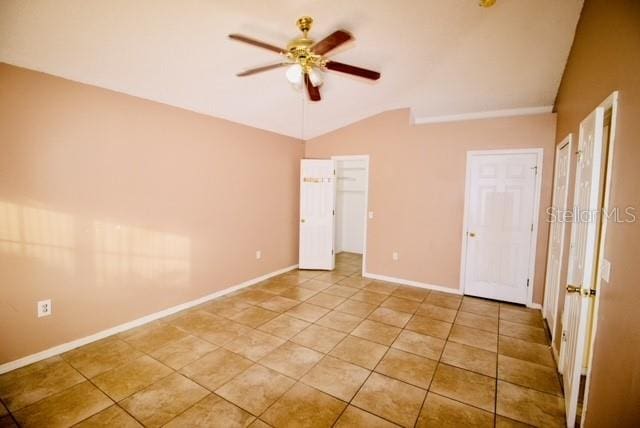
(605, 270)
(370, 215)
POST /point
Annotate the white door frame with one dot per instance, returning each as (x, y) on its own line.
(536, 212)
(567, 141)
(611, 102)
(364, 158)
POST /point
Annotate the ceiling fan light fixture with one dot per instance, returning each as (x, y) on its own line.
(306, 60)
(295, 74)
(315, 77)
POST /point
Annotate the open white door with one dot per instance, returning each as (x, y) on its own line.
(583, 256)
(317, 214)
(500, 214)
(552, 286)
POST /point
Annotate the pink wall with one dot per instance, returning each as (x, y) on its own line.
(600, 62)
(416, 187)
(107, 199)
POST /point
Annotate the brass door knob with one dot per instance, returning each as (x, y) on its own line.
(585, 292)
(471, 234)
(301, 220)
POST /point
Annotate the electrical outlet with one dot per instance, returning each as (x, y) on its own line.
(44, 308)
(258, 255)
(370, 215)
(395, 256)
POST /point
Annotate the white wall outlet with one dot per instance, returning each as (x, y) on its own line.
(605, 270)
(44, 308)
(258, 255)
(370, 215)
(395, 256)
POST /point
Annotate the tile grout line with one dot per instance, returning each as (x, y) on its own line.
(256, 304)
(118, 337)
(9, 413)
(437, 364)
(439, 360)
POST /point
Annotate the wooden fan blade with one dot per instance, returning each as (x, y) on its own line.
(314, 92)
(261, 69)
(331, 42)
(257, 43)
(351, 69)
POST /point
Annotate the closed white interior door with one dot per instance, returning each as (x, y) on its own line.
(351, 177)
(317, 209)
(556, 238)
(501, 191)
(581, 273)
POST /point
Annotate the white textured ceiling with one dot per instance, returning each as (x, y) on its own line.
(443, 57)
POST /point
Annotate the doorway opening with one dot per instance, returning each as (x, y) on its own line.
(352, 186)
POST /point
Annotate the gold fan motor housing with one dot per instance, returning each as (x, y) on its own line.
(299, 49)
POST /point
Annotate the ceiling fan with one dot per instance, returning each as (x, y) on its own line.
(305, 58)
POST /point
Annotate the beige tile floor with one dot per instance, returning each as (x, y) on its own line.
(305, 349)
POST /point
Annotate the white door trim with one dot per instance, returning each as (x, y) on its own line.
(567, 141)
(536, 212)
(611, 102)
(364, 158)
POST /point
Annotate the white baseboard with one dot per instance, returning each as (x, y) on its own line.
(59, 349)
(412, 283)
(534, 306)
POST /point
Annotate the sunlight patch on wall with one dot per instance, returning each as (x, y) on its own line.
(45, 235)
(132, 254)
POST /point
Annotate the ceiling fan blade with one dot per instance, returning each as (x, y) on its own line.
(331, 42)
(314, 92)
(261, 69)
(351, 69)
(257, 43)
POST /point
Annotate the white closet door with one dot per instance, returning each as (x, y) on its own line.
(317, 209)
(552, 286)
(500, 212)
(583, 255)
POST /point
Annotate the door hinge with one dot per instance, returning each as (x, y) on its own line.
(532, 227)
(334, 212)
(332, 252)
(535, 169)
(527, 282)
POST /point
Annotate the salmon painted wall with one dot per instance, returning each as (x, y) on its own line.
(606, 57)
(107, 200)
(416, 187)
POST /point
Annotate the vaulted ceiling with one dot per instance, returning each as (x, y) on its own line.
(444, 57)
